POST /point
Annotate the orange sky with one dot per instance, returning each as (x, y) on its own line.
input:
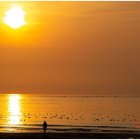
(72, 48)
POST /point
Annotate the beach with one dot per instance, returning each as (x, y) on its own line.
(68, 135)
(68, 132)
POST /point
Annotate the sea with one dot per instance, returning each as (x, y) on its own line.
(71, 114)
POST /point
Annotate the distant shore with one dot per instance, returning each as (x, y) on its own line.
(68, 135)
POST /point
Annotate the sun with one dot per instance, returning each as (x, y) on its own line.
(15, 17)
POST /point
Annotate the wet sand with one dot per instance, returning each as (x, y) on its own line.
(68, 135)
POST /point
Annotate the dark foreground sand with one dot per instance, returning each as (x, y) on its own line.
(67, 135)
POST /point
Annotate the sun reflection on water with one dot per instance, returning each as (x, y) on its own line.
(14, 108)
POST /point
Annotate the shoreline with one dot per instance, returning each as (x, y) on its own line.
(69, 135)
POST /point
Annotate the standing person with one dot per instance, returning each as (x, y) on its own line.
(45, 126)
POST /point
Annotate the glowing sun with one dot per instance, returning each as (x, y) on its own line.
(14, 17)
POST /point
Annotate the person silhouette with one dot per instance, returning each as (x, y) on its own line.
(45, 126)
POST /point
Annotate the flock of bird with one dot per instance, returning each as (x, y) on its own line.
(96, 117)
(125, 118)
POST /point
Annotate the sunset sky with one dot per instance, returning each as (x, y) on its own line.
(72, 48)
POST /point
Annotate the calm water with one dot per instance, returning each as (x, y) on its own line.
(26, 112)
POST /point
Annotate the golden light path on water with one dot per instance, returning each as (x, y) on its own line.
(14, 108)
